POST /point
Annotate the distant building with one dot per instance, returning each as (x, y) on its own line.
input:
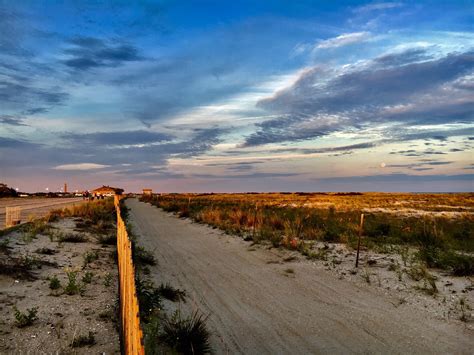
(65, 188)
(106, 191)
(147, 191)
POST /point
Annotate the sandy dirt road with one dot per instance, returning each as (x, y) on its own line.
(256, 307)
(35, 206)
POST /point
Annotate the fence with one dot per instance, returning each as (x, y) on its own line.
(132, 335)
(12, 216)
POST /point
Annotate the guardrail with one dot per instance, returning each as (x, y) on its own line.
(132, 335)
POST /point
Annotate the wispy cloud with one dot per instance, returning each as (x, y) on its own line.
(81, 166)
(89, 52)
(343, 40)
(377, 6)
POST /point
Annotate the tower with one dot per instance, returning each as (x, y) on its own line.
(65, 187)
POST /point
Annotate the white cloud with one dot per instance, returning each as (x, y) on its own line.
(344, 40)
(378, 6)
(80, 166)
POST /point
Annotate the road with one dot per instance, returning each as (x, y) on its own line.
(256, 307)
(34, 206)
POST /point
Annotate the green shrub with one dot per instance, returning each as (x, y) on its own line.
(54, 283)
(141, 256)
(25, 319)
(108, 279)
(90, 257)
(149, 298)
(87, 278)
(73, 287)
(171, 293)
(83, 340)
(187, 335)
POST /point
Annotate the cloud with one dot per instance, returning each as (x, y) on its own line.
(378, 91)
(343, 40)
(15, 95)
(408, 56)
(258, 175)
(90, 52)
(12, 120)
(117, 138)
(377, 6)
(81, 166)
(420, 165)
(400, 178)
(11, 143)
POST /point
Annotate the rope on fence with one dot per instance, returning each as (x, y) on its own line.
(132, 335)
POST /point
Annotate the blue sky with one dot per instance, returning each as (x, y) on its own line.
(237, 96)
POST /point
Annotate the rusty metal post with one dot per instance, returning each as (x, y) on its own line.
(360, 235)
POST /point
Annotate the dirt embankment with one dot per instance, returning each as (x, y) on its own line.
(66, 292)
(258, 303)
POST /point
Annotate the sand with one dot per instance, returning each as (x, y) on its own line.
(260, 305)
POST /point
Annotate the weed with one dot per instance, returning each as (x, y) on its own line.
(108, 239)
(171, 293)
(4, 247)
(463, 306)
(35, 227)
(366, 276)
(45, 251)
(141, 256)
(87, 278)
(289, 271)
(54, 282)
(25, 319)
(90, 257)
(73, 287)
(28, 262)
(149, 298)
(108, 279)
(83, 340)
(71, 238)
(187, 335)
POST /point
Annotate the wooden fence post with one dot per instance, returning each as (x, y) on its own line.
(255, 221)
(360, 235)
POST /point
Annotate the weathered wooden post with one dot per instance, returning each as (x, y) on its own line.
(12, 216)
(360, 235)
(255, 221)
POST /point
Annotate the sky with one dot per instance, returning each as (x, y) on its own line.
(230, 96)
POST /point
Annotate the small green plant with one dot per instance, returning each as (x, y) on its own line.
(187, 335)
(35, 227)
(73, 287)
(108, 279)
(87, 278)
(90, 257)
(54, 283)
(366, 275)
(142, 256)
(45, 251)
(28, 262)
(171, 293)
(71, 238)
(25, 319)
(107, 239)
(149, 298)
(83, 340)
(4, 247)
(463, 306)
